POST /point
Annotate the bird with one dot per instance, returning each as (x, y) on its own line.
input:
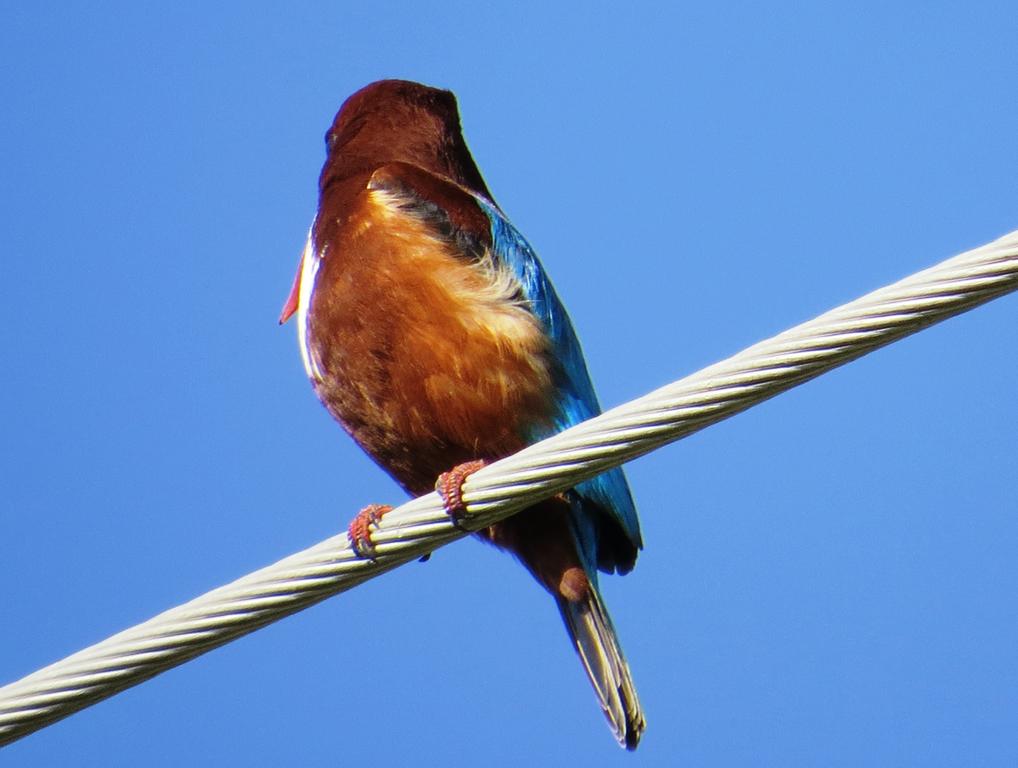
(430, 331)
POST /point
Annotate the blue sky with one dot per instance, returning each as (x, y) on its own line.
(829, 579)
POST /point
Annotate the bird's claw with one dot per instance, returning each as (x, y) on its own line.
(360, 529)
(450, 487)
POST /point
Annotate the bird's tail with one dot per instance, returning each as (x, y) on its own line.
(590, 628)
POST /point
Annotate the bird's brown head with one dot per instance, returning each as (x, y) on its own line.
(400, 121)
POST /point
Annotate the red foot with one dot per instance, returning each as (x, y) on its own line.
(360, 529)
(450, 487)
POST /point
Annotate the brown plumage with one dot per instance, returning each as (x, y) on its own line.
(425, 348)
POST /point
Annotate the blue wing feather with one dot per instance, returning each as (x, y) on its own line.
(576, 400)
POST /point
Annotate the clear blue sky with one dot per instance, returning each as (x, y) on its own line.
(829, 579)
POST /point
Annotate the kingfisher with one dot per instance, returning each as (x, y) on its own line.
(431, 332)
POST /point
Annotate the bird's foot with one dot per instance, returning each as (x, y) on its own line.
(450, 487)
(360, 529)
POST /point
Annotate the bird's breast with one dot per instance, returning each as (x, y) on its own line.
(426, 355)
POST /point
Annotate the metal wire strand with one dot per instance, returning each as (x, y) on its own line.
(495, 492)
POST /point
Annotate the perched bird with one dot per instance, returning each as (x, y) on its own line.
(430, 331)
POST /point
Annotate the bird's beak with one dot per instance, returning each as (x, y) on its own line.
(293, 300)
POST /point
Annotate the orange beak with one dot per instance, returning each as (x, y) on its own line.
(293, 300)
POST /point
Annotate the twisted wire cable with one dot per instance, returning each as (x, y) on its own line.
(495, 492)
